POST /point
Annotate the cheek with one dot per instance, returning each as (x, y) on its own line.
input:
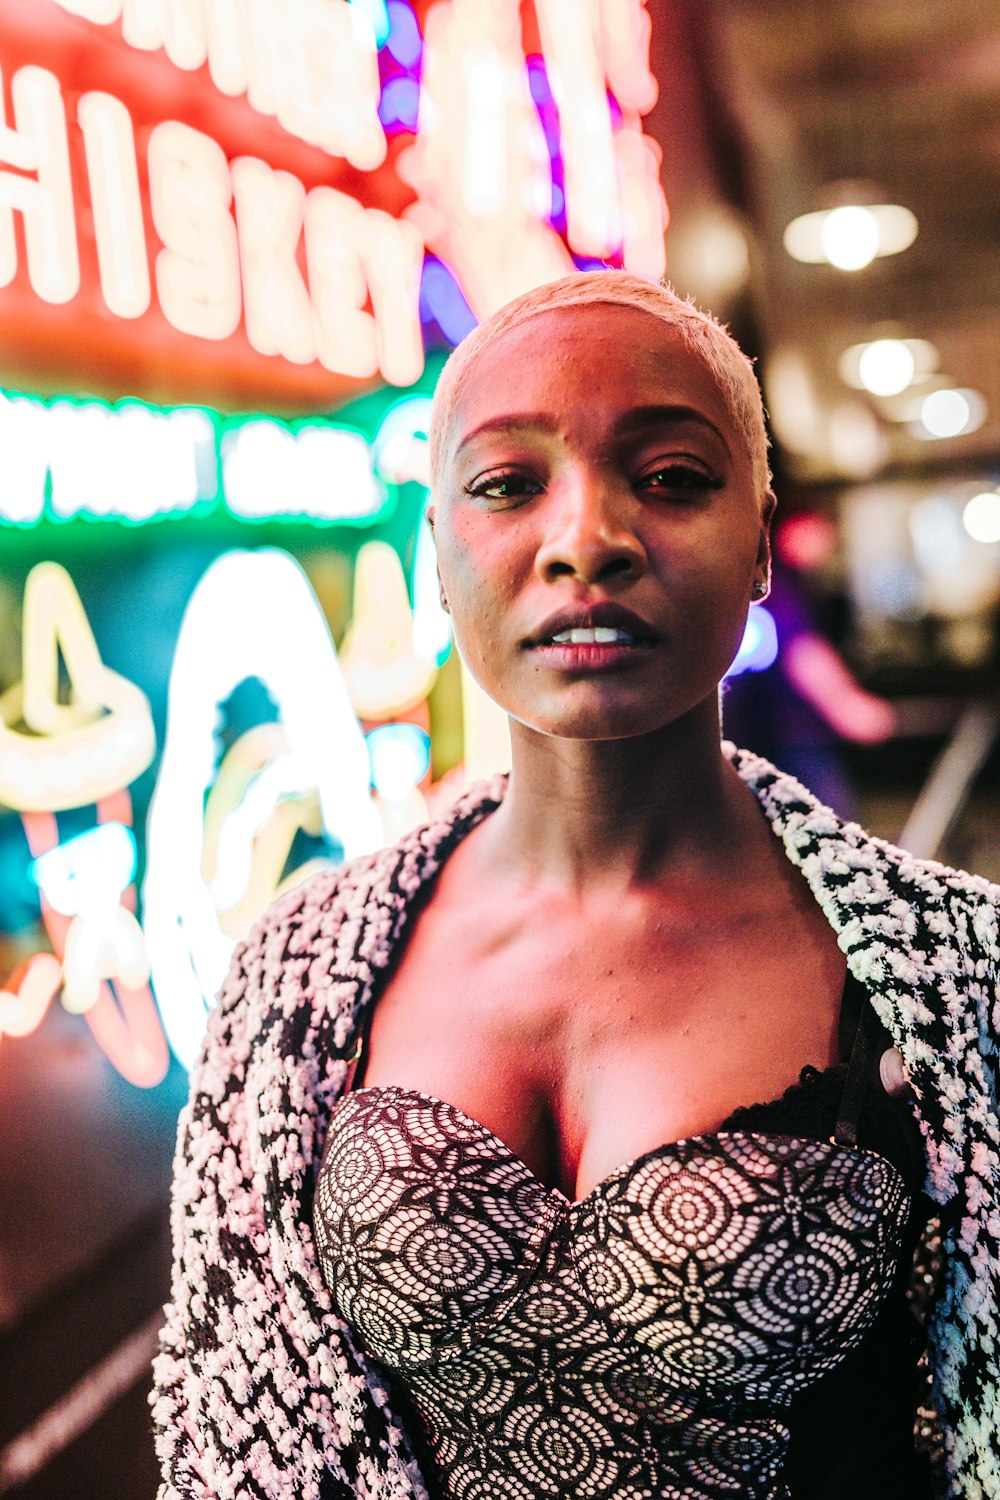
(471, 587)
(709, 565)
(477, 569)
(457, 564)
(715, 595)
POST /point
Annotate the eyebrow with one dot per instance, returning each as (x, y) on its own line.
(654, 416)
(636, 420)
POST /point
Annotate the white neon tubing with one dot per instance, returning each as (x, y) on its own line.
(252, 614)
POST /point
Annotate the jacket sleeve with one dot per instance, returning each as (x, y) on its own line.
(259, 1393)
(977, 927)
(200, 1373)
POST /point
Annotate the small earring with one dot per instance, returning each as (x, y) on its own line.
(760, 589)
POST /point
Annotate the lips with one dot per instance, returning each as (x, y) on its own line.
(596, 620)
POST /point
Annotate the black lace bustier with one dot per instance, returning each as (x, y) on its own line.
(679, 1332)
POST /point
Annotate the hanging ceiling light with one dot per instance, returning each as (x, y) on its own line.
(981, 517)
(949, 413)
(850, 235)
(887, 366)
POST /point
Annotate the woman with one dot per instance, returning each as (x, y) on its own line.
(474, 1193)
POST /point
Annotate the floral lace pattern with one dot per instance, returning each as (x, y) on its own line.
(646, 1341)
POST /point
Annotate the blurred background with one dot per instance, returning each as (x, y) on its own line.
(237, 241)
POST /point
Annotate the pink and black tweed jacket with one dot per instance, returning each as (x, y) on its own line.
(260, 1392)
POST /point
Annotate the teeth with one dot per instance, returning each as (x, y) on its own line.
(599, 635)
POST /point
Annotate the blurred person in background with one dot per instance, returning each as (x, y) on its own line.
(590, 1141)
(801, 709)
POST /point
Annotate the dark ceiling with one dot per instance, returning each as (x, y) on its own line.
(767, 108)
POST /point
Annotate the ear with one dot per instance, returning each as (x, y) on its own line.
(429, 513)
(764, 540)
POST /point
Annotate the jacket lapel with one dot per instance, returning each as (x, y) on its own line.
(894, 921)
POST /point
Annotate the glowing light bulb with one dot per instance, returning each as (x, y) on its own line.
(886, 367)
(850, 237)
(880, 365)
(981, 517)
(884, 228)
(948, 413)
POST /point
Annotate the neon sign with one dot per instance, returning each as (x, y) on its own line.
(223, 249)
(85, 878)
(483, 165)
(131, 461)
(213, 865)
(312, 65)
(385, 675)
(56, 756)
(232, 801)
(106, 727)
(212, 267)
(297, 255)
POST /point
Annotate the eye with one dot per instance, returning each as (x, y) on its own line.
(678, 478)
(503, 486)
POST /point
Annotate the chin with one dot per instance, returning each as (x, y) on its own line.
(621, 722)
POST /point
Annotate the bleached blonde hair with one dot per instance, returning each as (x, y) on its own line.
(701, 333)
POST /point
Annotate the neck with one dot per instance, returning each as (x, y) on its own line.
(586, 815)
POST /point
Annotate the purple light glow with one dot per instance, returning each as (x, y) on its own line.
(589, 263)
(538, 81)
(548, 114)
(399, 105)
(442, 302)
(759, 647)
(404, 40)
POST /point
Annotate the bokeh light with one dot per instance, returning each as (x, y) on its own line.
(981, 517)
(378, 15)
(849, 237)
(886, 367)
(400, 756)
(951, 413)
(878, 365)
(399, 105)
(759, 646)
(404, 40)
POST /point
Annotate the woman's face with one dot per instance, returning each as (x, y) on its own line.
(594, 480)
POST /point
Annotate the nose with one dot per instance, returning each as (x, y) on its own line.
(590, 533)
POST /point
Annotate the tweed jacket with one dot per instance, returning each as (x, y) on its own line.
(260, 1391)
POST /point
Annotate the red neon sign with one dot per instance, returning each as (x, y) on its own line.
(134, 199)
(191, 204)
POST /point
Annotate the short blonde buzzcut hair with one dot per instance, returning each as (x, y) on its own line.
(732, 371)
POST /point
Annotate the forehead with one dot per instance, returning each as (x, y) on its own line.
(599, 359)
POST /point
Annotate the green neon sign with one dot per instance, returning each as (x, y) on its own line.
(130, 462)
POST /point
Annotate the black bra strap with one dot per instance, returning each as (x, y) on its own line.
(867, 1036)
(852, 1001)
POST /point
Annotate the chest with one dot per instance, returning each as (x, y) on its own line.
(584, 1039)
(560, 992)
